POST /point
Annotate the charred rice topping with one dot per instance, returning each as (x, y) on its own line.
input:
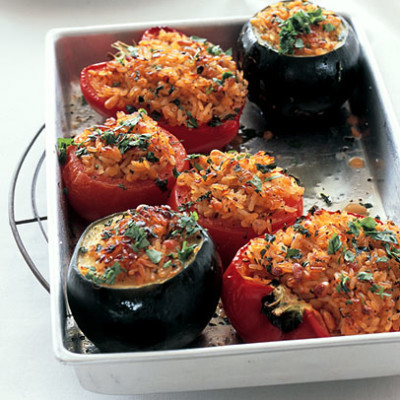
(186, 80)
(238, 187)
(131, 147)
(346, 267)
(299, 28)
(142, 246)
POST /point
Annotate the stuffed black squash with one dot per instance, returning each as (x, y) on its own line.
(300, 60)
(144, 279)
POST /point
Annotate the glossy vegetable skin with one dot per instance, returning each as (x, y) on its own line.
(95, 197)
(201, 139)
(245, 302)
(157, 316)
(228, 237)
(295, 86)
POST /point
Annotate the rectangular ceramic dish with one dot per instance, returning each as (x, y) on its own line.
(319, 157)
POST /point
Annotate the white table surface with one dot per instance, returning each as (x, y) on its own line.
(28, 368)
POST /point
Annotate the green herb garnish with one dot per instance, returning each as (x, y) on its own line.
(379, 290)
(109, 276)
(62, 144)
(329, 27)
(128, 142)
(108, 138)
(214, 50)
(186, 251)
(191, 123)
(349, 256)
(334, 244)
(342, 285)
(265, 168)
(139, 236)
(154, 255)
(293, 253)
(189, 223)
(295, 25)
(365, 276)
(257, 183)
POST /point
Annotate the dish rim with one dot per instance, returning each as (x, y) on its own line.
(53, 125)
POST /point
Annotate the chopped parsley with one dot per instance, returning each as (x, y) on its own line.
(154, 255)
(186, 251)
(191, 122)
(329, 27)
(298, 227)
(334, 244)
(257, 183)
(353, 228)
(108, 138)
(189, 223)
(215, 121)
(225, 75)
(150, 156)
(265, 168)
(135, 140)
(108, 277)
(349, 256)
(162, 184)
(379, 290)
(214, 50)
(342, 285)
(365, 276)
(293, 253)
(392, 252)
(81, 151)
(269, 238)
(167, 264)
(198, 39)
(295, 25)
(63, 144)
(175, 172)
(204, 196)
(138, 234)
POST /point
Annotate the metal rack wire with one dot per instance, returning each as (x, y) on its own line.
(14, 223)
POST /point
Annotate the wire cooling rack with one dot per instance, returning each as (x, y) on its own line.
(15, 223)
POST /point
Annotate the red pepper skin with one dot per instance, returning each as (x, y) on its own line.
(90, 94)
(94, 198)
(151, 33)
(229, 237)
(242, 301)
(202, 139)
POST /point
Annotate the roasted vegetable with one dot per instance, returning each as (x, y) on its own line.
(191, 86)
(284, 81)
(120, 164)
(330, 273)
(237, 196)
(144, 279)
(264, 311)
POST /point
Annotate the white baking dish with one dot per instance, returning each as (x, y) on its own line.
(68, 50)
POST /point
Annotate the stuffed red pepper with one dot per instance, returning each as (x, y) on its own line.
(237, 196)
(328, 274)
(125, 162)
(191, 86)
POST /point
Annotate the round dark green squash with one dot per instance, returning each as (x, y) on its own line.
(298, 87)
(158, 316)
